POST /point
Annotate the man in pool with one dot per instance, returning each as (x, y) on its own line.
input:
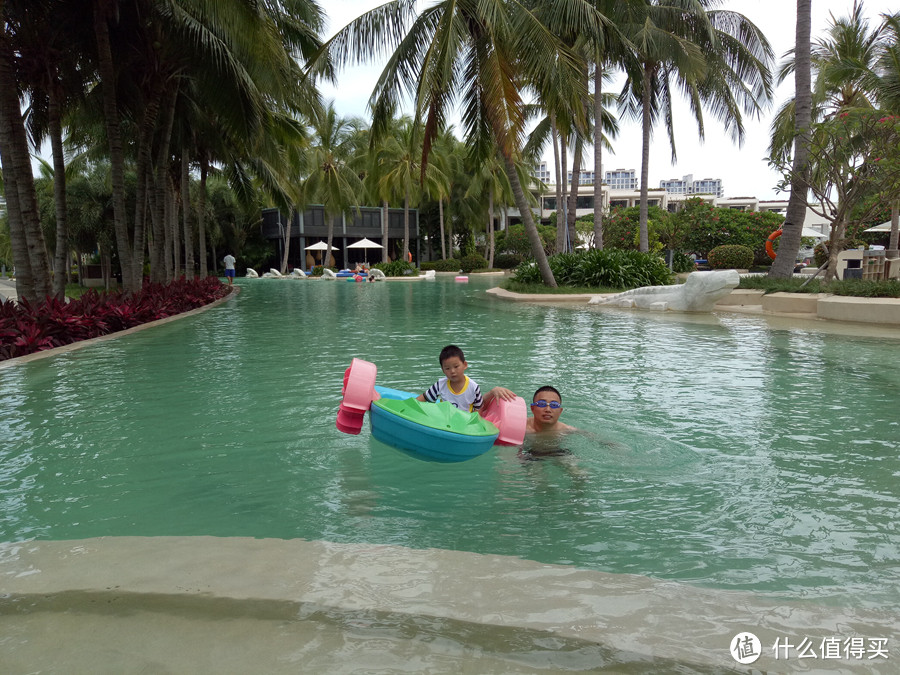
(546, 407)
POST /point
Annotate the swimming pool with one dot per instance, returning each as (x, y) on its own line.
(721, 451)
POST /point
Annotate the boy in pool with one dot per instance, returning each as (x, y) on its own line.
(546, 407)
(456, 387)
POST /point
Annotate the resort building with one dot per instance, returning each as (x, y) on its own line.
(686, 185)
(542, 173)
(625, 198)
(308, 227)
(621, 179)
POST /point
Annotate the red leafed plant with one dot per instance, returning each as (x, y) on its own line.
(27, 327)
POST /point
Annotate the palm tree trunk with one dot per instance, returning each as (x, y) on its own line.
(534, 237)
(287, 241)
(107, 72)
(490, 228)
(557, 167)
(384, 232)
(326, 254)
(562, 189)
(201, 215)
(59, 193)
(26, 236)
(186, 215)
(573, 193)
(441, 223)
(598, 156)
(160, 183)
(144, 174)
(406, 224)
(171, 219)
(18, 243)
(783, 266)
(644, 245)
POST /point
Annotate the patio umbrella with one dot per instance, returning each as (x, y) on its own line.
(884, 227)
(809, 232)
(320, 246)
(365, 244)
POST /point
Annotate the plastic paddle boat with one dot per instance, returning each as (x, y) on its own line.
(437, 432)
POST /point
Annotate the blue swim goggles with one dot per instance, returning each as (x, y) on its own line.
(543, 404)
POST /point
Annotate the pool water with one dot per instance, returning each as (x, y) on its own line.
(719, 450)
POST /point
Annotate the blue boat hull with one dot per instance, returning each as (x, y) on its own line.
(424, 442)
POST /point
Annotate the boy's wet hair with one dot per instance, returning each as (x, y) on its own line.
(449, 352)
(547, 387)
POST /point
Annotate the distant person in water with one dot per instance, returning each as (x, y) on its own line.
(546, 408)
(456, 387)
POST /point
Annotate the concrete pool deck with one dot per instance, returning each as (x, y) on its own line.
(883, 312)
(207, 604)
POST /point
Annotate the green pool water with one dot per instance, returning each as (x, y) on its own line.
(721, 450)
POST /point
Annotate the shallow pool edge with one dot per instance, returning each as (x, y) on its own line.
(628, 614)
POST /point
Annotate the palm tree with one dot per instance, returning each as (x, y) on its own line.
(403, 172)
(845, 64)
(889, 96)
(330, 178)
(26, 238)
(719, 59)
(796, 213)
(479, 52)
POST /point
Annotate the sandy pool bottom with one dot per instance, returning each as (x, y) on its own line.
(237, 605)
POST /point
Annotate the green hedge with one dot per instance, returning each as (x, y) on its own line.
(730, 256)
(470, 263)
(451, 265)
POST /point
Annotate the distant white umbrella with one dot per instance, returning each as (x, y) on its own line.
(809, 232)
(365, 244)
(884, 227)
(321, 246)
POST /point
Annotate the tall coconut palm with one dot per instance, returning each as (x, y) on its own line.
(331, 180)
(889, 97)
(480, 53)
(405, 174)
(718, 58)
(803, 98)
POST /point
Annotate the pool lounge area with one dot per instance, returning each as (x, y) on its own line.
(180, 496)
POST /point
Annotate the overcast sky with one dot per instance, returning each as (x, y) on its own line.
(743, 170)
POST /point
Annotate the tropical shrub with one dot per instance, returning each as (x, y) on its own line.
(702, 227)
(515, 240)
(682, 263)
(470, 263)
(609, 268)
(507, 261)
(451, 265)
(27, 327)
(397, 268)
(621, 229)
(730, 256)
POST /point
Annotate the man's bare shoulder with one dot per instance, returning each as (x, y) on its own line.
(556, 428)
